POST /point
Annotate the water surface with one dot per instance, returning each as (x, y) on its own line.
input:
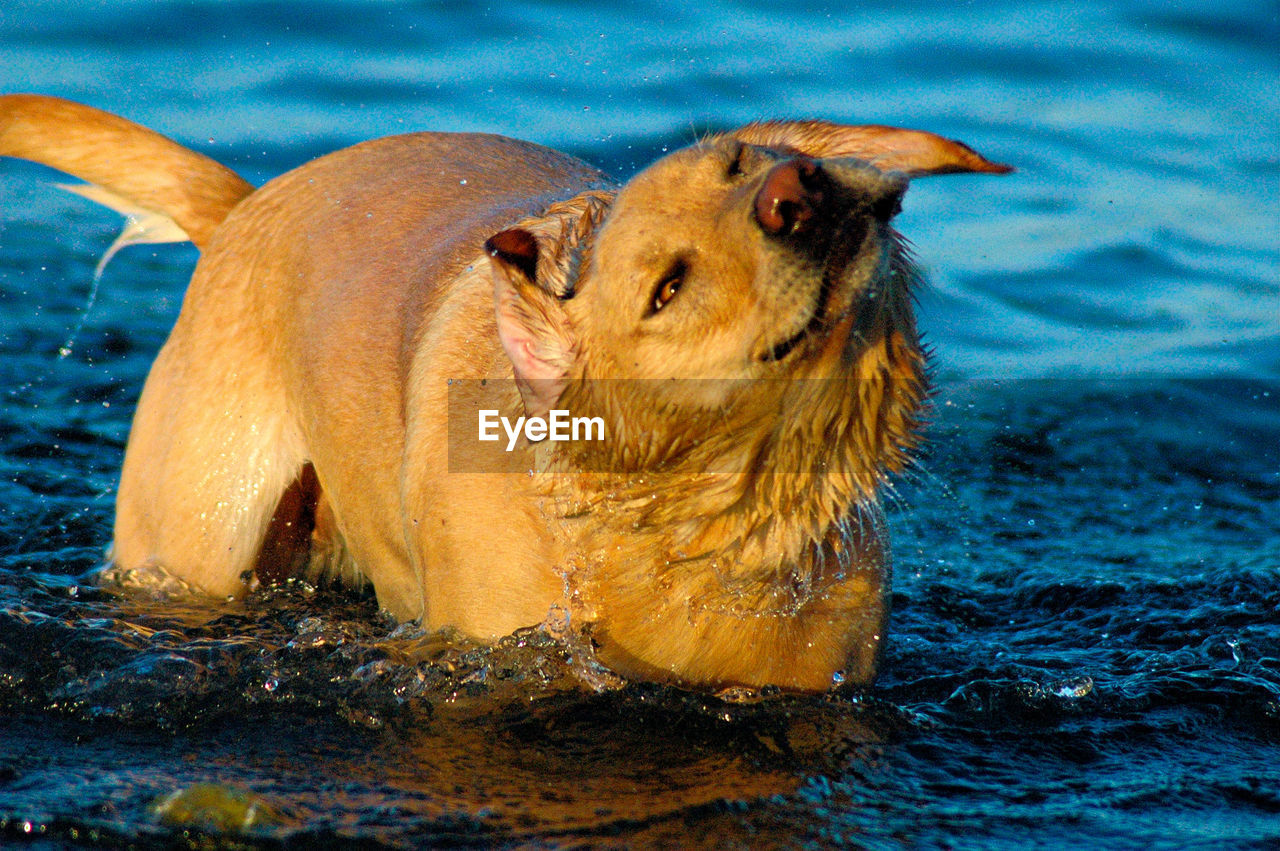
(1086, 629)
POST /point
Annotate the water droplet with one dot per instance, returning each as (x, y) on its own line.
(1077, 689)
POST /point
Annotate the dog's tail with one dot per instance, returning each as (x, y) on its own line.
(135, 171)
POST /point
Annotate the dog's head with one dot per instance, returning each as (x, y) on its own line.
(762, 253)
(740, 317)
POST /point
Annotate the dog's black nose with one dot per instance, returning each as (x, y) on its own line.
(792, 193)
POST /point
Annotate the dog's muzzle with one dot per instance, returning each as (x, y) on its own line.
(821, 212)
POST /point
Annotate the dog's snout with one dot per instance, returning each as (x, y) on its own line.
(792, 193)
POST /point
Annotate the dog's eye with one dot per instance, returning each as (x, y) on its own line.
(735, 164)
(668, 286)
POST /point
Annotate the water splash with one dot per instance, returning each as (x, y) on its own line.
(143, 226)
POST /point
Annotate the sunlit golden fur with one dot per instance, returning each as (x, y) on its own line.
(728, 530)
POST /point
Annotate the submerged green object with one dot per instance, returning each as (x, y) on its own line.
(215, 808)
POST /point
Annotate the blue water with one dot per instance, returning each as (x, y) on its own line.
(1086, 629)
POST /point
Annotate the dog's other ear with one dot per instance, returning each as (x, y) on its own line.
(914, 152)
(532, 323)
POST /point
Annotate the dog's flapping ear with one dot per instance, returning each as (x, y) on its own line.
(913, 152)
(532, 323)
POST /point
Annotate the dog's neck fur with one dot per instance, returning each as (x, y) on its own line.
(738, 544)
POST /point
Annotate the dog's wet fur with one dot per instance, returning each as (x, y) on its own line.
(739, 314)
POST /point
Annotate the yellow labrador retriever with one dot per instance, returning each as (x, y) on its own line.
(737, 317)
